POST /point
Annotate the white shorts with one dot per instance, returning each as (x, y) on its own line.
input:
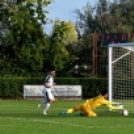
(47, 94)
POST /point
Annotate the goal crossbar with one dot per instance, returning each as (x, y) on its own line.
(121, 44)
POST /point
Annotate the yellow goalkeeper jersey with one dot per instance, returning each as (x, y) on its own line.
(95, 102)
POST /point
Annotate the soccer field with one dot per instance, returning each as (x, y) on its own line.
(23, 117)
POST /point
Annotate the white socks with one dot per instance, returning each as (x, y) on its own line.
(46, 108)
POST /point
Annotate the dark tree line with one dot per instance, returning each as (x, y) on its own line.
(26, 49)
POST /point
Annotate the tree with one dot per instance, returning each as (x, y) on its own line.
(64, 32)
(63, 35)
(104, 17)
(86, 25)
(26, 39)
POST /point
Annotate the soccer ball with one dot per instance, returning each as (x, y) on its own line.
(124, 112)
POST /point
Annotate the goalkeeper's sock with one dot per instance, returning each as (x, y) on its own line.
(71, 110)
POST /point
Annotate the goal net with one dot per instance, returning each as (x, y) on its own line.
(121, 74)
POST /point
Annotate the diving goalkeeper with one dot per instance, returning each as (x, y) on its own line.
(91, 104)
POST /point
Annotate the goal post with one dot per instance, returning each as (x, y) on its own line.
(121, 74)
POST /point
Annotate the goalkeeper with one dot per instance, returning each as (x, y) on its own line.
(91, 104)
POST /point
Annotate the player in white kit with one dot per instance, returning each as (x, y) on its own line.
(49, 98)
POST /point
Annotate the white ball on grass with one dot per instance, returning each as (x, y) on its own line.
(125, 112)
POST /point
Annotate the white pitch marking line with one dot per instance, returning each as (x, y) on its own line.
(67, 124)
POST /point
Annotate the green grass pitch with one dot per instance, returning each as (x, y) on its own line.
(23, 117)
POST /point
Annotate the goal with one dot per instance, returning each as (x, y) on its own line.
(121, 74)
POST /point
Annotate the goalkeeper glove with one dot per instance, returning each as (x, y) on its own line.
(120, 106)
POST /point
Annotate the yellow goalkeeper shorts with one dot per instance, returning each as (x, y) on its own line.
(87, 111)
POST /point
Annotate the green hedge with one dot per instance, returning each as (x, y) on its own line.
(13, 87)
(90, 86)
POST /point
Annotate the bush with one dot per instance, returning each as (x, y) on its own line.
(12, 88)
(90, 86)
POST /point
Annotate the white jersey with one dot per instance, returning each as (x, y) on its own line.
(49, 79)
(47, 91)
